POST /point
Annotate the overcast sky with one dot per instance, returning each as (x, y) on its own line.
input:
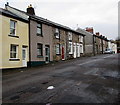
(102, 15)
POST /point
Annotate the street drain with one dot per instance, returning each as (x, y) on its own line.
(15, 97)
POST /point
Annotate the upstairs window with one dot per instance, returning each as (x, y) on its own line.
(39, 29)
(12, 27)
(57, 33)
(13, 51)
(40, 49)
(80, 38)
(69, 36)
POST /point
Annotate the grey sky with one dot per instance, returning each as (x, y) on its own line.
(102, 15)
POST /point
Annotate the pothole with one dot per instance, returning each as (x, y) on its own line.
(44, 83)
(111, 75)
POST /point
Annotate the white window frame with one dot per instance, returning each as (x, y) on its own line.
(16, 52)
(80, 38)
(69, 35)
(13, 28)
(70, 48)
(57, 33)
(57, 48)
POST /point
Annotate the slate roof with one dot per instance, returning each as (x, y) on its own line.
(37, 18)
(10, 14)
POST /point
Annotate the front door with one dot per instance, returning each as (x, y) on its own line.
(63, 53)
(47, 54)
(74, 51)
(24, 57)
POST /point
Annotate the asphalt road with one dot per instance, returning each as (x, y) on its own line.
(84, 80)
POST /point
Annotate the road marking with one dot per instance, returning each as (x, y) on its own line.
(94, 60)
(91, 72)
(108, 56)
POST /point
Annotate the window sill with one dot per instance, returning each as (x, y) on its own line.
(14, 59)
(57, 38)
(13, 36)
(39, 35)
(39, 56)
(70, 53)
(58, 54)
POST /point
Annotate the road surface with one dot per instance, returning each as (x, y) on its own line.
(84, 80)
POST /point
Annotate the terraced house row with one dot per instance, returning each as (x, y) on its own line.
(29, 40)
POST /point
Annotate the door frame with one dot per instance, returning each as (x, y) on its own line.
(24, 62)
(48, 47)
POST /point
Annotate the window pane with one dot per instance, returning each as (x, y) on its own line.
(39, 30)
(12, 27)
(38, 25)
(39, 49)
(14, 48)
(12, 31)
(57, 49)
(13, 51)
(12, 24)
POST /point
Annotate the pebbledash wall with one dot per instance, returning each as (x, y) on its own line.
(20, 40)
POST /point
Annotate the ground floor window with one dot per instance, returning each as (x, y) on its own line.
(70, 48)
(13, 51)
(57, 48)
(40, 49)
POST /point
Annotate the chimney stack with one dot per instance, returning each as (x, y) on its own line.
(30, 10)
(97, 33)
(90, 29)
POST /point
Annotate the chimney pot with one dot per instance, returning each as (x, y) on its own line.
(90, 29)
(30, 10)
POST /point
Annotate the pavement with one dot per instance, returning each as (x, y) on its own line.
(83, 80)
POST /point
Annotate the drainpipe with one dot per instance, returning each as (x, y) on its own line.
(102, 45)
(66, 45)
(29, 45)
(84, 44)
(93, 46)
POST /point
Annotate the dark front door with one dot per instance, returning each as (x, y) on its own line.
(63, 53)
(47, 54)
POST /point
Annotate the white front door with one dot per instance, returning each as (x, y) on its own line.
(24, 57)
(74, 51)
(78, 50)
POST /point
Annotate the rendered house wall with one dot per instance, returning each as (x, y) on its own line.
(46, 39)
(22, 33)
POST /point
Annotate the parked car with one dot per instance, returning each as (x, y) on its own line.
(109, 51)
(118, 50)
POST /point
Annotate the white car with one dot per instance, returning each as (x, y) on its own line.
(108, 51)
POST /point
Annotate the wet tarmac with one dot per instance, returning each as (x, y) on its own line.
(84, 80)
